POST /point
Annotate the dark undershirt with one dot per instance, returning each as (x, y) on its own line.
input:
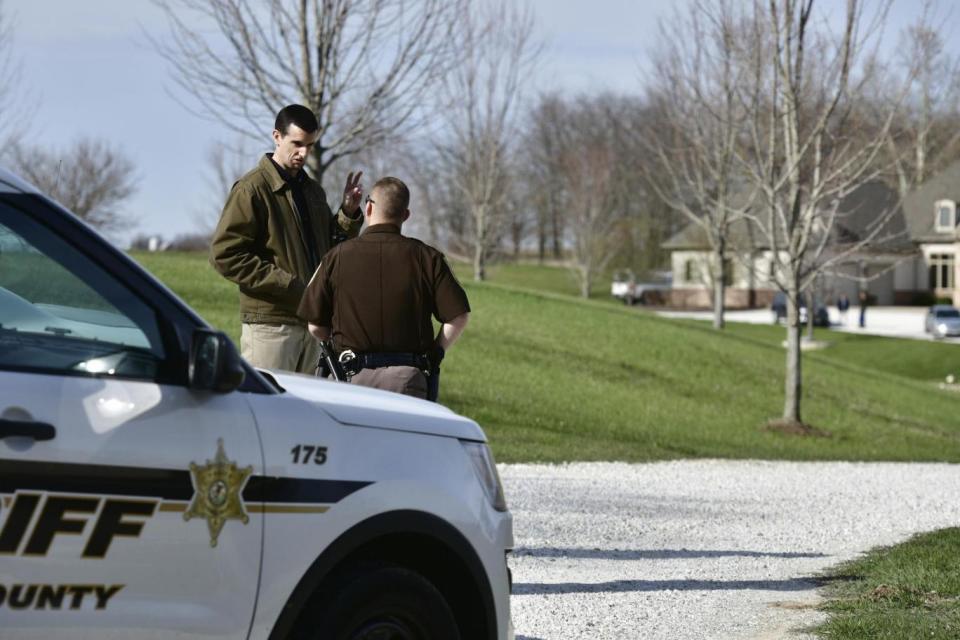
(300, 210)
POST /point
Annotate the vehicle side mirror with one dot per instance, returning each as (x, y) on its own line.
(214, 363)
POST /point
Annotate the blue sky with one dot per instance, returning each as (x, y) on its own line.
(90, 72)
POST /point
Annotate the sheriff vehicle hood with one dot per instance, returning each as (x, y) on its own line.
(365, 407)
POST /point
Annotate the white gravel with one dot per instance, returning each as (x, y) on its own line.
(708, 549)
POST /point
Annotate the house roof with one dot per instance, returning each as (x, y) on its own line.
(856, 219)
(918, 206)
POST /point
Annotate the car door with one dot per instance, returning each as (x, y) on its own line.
(121, 490)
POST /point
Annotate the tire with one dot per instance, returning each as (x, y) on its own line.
(384, 603)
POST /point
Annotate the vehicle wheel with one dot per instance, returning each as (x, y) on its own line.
(386, 603)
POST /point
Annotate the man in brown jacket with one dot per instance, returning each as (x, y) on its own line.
(275, 228)
(375, 296)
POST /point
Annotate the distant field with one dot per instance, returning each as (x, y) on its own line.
(553, 378)
(538, 277)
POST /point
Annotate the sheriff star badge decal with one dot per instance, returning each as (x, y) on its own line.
(217, 486)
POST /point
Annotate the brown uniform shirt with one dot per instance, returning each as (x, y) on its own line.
(378, 292)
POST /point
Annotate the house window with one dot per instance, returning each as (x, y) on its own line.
(946, 215)
(941, 270)
(728, 272)
(691, 271)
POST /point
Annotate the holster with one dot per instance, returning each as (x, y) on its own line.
(433, 384)
(328, 366)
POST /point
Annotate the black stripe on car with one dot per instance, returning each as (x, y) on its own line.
(166, 484)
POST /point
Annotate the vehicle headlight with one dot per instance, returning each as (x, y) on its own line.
(942, 328)
(486, 469)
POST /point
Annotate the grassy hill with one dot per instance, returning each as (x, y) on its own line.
(554, 378)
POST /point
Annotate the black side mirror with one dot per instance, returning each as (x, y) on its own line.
(214, 364)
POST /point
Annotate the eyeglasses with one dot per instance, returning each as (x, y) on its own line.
(370, 200)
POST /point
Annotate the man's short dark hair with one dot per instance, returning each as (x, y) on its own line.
(393, 196)
(296, 114)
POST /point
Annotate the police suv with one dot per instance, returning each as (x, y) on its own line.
(154, 485)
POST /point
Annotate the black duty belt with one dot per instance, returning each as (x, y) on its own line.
(353, 363)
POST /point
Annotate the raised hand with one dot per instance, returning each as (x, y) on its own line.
(352, 193)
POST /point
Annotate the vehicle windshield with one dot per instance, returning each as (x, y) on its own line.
(948, 313)
(60, 311)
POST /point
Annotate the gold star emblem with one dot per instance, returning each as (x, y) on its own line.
(217, 486)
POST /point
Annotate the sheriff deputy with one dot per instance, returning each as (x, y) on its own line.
(375, 296)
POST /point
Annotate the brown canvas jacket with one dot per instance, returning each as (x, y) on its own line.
(259, 243)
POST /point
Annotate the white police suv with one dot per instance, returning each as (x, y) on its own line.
(154, 485)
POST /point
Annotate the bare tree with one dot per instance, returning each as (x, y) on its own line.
(547, 134)
(594, 181)
(808, 151)
(482, 97)
(430, 193)
(89, 178)
(12, 99)
(926, 133)
(225, 165)
(699, 74)
(365, 67)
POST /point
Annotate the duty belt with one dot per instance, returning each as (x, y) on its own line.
(353, 363)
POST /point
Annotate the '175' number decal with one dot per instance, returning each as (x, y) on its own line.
(306, 453)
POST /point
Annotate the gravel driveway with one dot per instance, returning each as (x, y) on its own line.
(702, 549)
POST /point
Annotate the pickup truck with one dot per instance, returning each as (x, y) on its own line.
(626, 288)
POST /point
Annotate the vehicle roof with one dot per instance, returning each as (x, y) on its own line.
(12, 183)
(943, 307)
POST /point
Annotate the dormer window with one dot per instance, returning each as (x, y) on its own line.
(946, 215)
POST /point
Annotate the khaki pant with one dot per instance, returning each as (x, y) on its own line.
(279, 346)
(409, 381)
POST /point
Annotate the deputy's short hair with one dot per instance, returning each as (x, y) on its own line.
(296, 114)
(393, 197)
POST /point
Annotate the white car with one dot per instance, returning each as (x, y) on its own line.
(154, 485)
(942, 320)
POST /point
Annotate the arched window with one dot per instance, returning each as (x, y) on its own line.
(946, 212)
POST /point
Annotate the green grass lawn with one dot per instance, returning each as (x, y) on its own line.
(910, 358)
(553, 378)
(906, 592)
(537, 277)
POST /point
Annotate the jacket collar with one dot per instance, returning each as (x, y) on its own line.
(385, 227)
(272, 172)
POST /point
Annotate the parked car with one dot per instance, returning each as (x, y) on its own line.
(942, 320)
(153, 484)
(626, 288)
(779, 309)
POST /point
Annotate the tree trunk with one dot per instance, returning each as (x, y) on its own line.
(479, 263)
(541, 241)
(316, 165)
(480, 221)
(811, 314)
(792, 386)
(556, 232)
(585, 281)
(719, 288)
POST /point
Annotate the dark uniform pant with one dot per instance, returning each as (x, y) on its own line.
(406, 380)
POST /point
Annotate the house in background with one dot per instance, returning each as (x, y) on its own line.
(912, 259)
(930, 212)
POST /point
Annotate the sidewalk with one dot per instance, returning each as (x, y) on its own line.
(893, 322)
